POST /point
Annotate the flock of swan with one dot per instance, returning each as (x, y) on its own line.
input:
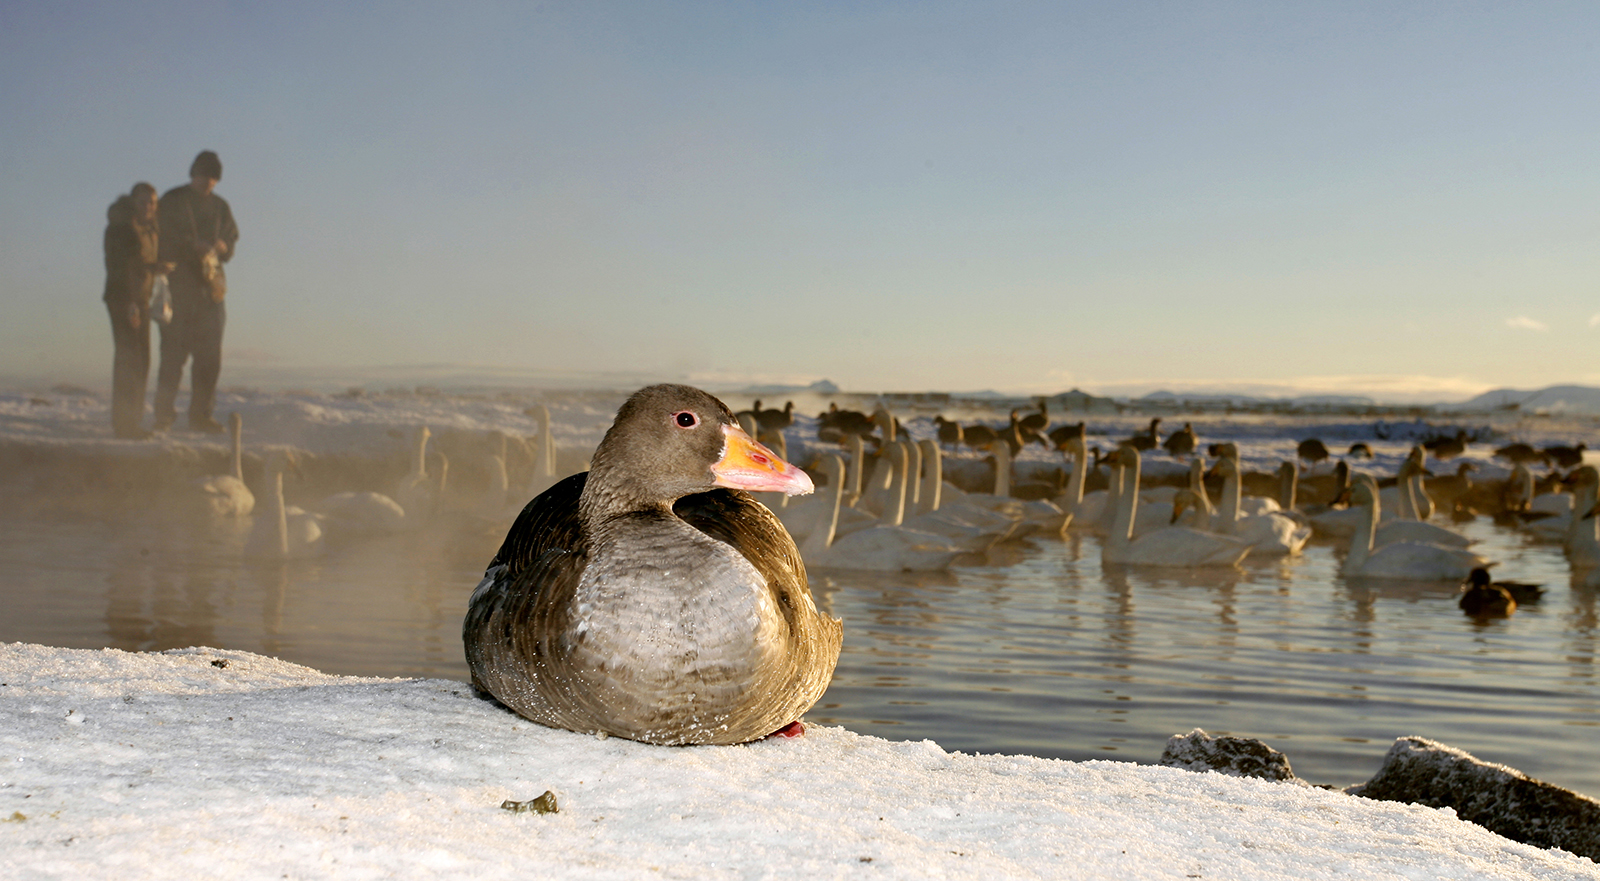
(891, 508)
(414, 501)
(1386, 532)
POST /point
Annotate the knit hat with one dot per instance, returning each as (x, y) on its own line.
(206, 164)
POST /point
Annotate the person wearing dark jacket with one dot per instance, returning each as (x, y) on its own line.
(131, 252)
(198, 236)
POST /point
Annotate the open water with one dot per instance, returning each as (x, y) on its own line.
(1046, 651)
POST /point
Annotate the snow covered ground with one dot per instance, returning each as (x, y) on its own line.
(210, 763)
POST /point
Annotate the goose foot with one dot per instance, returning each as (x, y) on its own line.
(793, 729)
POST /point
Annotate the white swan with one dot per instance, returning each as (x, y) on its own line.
(280, 531)
(1031, 516)
(497, 495)
(1402, 559)
(1582, 544)
(415, 492)
(225, 495)
(805, 515)
(544, 453)
(878, 548)
(1269, 535)
(1549, 516)
(971, 527)
(1172, 546)
(1415, 467)
(932, 494)
(1344, 522)
(1071, 501)
(1083, 511)
(354, 515)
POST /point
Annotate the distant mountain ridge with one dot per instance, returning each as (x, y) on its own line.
(1567, 399)
(1164, 396)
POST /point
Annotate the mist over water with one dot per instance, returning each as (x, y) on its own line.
(1043, 651)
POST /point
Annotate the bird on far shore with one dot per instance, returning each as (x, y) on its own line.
(1036, 422)
(1312, 450)
(1521, 454)
(1564, 456)
(1181, 442)
(1062, 435)
(1148, 439)
(949, 431)
(1447, 447)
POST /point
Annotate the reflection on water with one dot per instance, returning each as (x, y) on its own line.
(1058, 656)
(1048, 653)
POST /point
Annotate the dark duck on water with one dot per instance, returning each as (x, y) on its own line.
(651, 598)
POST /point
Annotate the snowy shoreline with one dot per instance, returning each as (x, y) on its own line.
(225, 763)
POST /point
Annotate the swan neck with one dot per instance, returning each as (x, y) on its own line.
(1232, 492)
(932, 477)
(1127, 505)
(894, 511)
(913, 475)
(858, 456)
(1361, 540)
(821, 537)
(1080, 458)
(236, 428)
(421, 462)
(280, 514)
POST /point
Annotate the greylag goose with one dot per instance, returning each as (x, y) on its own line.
(650, 597)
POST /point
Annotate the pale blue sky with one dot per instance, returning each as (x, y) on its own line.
(1385, 198)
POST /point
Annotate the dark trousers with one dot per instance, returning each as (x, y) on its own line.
(194, 332)
(130, 368)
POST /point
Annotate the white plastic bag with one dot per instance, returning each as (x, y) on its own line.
(161, 300)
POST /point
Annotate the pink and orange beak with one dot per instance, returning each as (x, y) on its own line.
(747, 465)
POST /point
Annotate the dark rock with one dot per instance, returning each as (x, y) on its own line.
(1503, 800)
(1238, 756)
(544, 804)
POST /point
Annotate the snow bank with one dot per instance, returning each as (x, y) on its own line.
(201, 762)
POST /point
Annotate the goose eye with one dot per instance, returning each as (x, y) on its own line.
(685, 419)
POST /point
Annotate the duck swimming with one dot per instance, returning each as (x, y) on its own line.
(651, 598)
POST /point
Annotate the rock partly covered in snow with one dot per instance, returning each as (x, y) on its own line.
(1498, 798)
(1238, 756)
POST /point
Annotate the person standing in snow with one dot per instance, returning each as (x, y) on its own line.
(131, 251)
(198, 235)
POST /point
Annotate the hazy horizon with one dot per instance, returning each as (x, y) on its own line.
(1389, 200)
(379, 378)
